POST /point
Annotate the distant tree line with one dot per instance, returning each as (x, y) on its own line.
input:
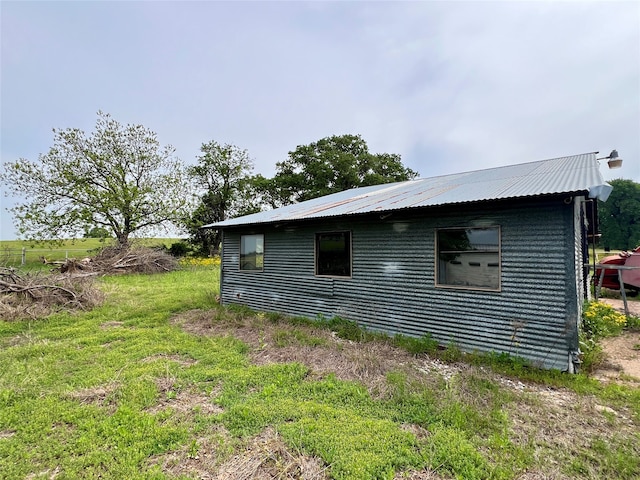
(119, 180)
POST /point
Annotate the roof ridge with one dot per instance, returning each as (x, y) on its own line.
(468, 172)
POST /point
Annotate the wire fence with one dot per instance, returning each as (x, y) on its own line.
(13, 257)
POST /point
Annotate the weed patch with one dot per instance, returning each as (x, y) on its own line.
(417, 346)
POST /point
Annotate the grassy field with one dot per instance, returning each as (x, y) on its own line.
(161, 382)
(11, 250)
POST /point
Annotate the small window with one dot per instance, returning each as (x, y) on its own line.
(468, 258)
(251, 252)
(333, 254)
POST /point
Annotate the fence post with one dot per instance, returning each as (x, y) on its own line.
(23, 257)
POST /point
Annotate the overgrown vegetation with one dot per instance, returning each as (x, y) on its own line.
(599, 320)
(162, 382)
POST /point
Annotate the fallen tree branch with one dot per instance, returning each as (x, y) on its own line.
(14, 287)
(38, 295)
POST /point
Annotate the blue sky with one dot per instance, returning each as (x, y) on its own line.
(450, 86)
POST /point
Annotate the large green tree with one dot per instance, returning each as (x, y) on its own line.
(330, 165)
(118, 178)
(619, 216)
(222, 179)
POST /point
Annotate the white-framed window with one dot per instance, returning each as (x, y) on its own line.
(333, 254)
(468, 258)
(252, 252)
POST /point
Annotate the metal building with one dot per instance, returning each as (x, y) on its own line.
(491, 260)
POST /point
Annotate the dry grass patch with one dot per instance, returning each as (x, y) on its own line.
(102, 395)
(197, 322)
(6, 434)
(319, 349)
(110, 324)
(555, 475)
(184, 401)
(263, 457)
(200, 459)
(425, 474)
(48, 474)
(26, 338)
(267, 457)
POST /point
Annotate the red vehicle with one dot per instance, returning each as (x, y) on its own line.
(630, 277)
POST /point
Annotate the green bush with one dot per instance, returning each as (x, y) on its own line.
(179, 249)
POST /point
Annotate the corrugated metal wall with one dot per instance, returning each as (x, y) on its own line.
(392, 288)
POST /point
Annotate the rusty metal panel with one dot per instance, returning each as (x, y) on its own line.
(392, 287)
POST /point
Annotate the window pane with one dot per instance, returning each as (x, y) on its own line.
(333, 254)
(469, 257)
(251, 252)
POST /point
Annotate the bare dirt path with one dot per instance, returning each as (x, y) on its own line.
(623, 352)
(634, 306)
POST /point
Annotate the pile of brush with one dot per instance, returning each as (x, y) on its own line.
(35, 295)
(70, 285)
(113, 260)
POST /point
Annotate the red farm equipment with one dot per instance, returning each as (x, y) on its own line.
(625, 268)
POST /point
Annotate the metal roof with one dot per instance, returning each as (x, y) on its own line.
(573, 174)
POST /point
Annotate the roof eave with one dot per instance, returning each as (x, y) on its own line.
(601, 192)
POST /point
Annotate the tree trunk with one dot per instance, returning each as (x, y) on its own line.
(123, 241)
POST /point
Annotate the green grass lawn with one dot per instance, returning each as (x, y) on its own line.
(125, 391)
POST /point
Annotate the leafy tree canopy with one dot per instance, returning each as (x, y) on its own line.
(118, 178)
(619, 216)
(330, 165)
(222, 178)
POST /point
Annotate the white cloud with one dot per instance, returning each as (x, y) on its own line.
(451, 86)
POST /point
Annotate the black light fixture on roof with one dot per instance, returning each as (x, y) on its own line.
(613, 160)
